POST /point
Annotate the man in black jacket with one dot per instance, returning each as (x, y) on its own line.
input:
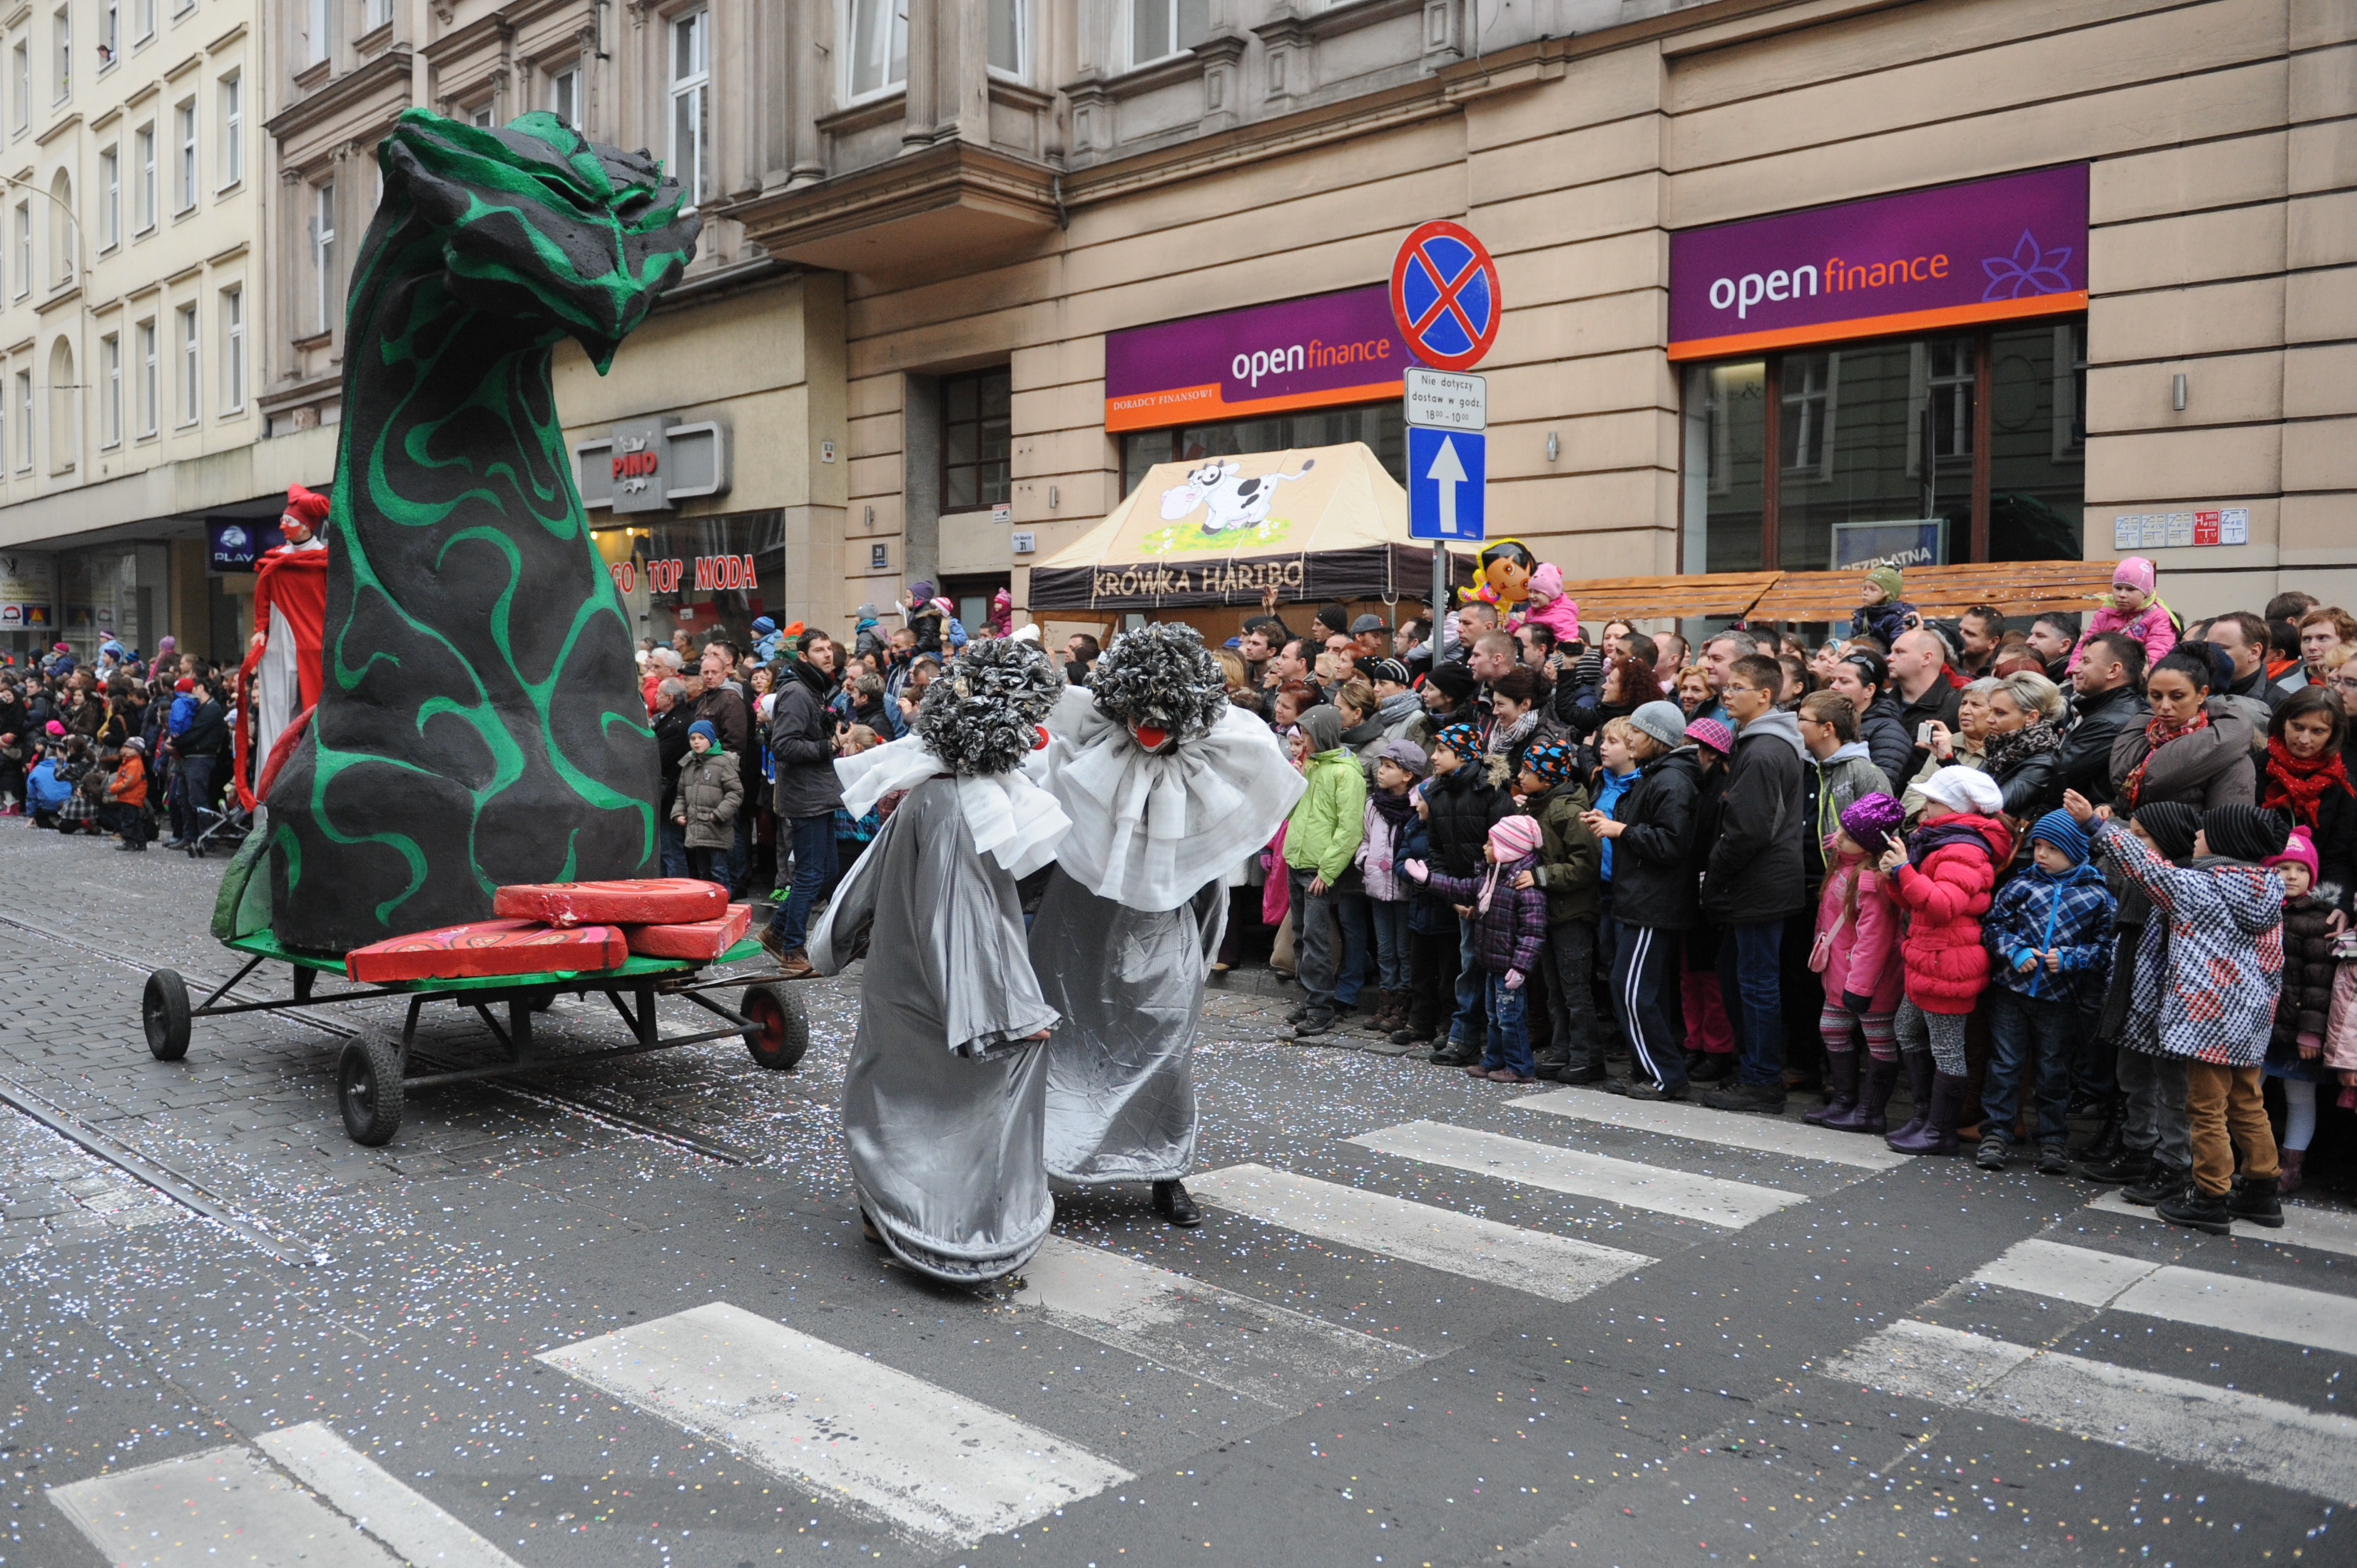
(2104, 703)
(197, 753)
(803, 739)
(1755, 879)
(1919, 686)
(672, 716)
(2244, 636)
(1460, 806)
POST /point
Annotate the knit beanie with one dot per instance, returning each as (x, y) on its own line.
(1551, 760)
(1513, 838)
(1662, 720)
(1961, 789)
(2245, 833)
(2171, 825)
(2299, 850)
(1462, 739)
(704, 727)
(2062, 831)
(1871, 820)
(1547, 580)
(1712, 733)
(1453, 681)
(1887, 579)
(2135, 572)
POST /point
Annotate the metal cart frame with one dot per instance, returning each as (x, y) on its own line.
(372, 1078)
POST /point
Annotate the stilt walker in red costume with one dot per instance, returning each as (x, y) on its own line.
(279, 682)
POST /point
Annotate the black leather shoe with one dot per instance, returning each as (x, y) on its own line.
(1765, 1099)
(2199, 1211)
(1715, 1065)
(1172, 1202)
(1455, 1055)
(1593, 1073)
(2128, 1168)
(1646, 1089)
(2165, 1183)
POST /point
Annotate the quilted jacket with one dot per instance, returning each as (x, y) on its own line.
(2226, 948)
(2307, 979)
(1511, 932)
(1945, 895)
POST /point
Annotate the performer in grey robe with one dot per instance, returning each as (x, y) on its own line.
(1168, 787)
(943, 1100)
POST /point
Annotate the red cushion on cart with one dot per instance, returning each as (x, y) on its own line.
(649, 901)
(482, 948)
(704, 938)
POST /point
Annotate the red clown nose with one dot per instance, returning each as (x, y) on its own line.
(1150, 737)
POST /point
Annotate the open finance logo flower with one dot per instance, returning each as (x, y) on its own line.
(2028, 270)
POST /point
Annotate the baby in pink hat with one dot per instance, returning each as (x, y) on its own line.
(1547, 607)
(2135, 607)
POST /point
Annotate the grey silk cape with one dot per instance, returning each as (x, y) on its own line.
(944, 1098)
(1132, 921)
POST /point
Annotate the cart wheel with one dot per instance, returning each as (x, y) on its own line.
(784, 1032)
(368, 1082)
(165, 1012)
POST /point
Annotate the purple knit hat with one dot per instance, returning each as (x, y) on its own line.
(1870, 820)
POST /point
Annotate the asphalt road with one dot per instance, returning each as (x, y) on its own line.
(624, 1315)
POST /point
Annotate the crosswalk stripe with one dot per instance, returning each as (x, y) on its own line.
(2321, 1229)
(1733, 1204)
(1559, 1267)
(2172, 1418)
(225, 1505)
(923, 1458)
(1272, 1354)
(2196, 1297)
(386, 1507)
(1768, 1135)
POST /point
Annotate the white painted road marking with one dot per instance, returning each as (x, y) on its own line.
(225, 1505)
(1733, 1204)
(2196, 1296)
(1767, 1134)
(928, 1460)
(423, 1535)
(2173, 1418)
(1558, 1267)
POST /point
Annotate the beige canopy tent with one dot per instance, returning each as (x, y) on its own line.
(1315, 523)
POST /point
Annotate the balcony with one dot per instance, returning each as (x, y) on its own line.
(919, 212)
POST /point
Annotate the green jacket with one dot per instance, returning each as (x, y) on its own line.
(1331, 818)
(1571, 858)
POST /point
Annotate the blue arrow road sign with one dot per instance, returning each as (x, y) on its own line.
(1446, 469)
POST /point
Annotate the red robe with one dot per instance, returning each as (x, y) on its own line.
(295, 583)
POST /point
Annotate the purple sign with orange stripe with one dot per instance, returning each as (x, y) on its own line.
(1299, 353)
(1992, 249)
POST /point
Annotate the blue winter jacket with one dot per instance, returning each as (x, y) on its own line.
(2036, 910)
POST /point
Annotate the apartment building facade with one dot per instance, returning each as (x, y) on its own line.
(131, 284)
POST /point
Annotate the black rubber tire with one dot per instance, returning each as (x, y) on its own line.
(368, 1090)
(784, 1032)
(163, 1011)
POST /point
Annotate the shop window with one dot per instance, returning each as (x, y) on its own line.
(877, 57)
(690, 104)
(976, 441)
(1161, 27)
(1981, 435)
(706, 576)
(1380, 426)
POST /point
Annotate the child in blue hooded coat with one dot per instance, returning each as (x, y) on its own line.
(2047, 932)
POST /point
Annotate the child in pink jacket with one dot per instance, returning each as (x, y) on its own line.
(2135, 607)
(1857, 953)
(1547, 607)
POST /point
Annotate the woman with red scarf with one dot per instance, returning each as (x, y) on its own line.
(2195, 750)
(2306, 775)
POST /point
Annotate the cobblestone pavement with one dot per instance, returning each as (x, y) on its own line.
(1427, 1319)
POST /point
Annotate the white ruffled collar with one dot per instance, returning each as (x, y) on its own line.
(1013, 821)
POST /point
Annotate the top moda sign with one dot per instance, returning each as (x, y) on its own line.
(1302, 353)
(1989, 250)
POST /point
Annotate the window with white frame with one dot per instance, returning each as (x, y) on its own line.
(110, 390)
(142, 143)
(149, 371)
(480, 115)
(315, 30)
(1161, 27)
(1009, 24)
(691, 102)
(191, 388)
(375, 14)
(877, 55)
(147, 21)
(565, 95)
(233, 319)
(184, 135)
(61, 32)
(25, 421)
(232, 128)
(64, 239)
(24, 249)
(109, 199)
(20, 81)
(110, 32)
(323, 253)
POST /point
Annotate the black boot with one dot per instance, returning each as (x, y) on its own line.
(1841, 1094)
(2165, 1183)
(2106, 1144)
(2199, 1211)
(2256, 1201)
(2126, 1168)
(1715, 1065)
(1172, 1202)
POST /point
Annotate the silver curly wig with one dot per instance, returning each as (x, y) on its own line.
(1160, 675)
(983, 714)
